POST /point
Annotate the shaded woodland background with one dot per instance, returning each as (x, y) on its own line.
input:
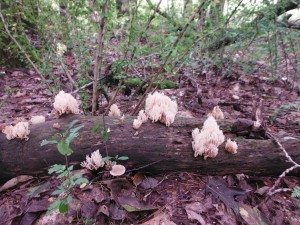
(242, 55)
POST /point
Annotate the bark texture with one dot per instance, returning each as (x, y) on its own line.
(165, 148)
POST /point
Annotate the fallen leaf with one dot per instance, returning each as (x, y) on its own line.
(160, 219)
(15, 181)
(137, 179)
(36, 191)
(88, 209)
(103, 209)
(251, 215)
(133, 204)
(149, 183)
(37, 206)
(115, 212)
(29, 218)
(193, 211)
(218, 188)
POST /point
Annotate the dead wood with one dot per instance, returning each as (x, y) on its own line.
(163, 148)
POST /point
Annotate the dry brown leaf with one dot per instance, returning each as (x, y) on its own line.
(14, 181)
(137, 179)
(160, 219)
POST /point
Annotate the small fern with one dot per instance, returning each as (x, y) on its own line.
(296, 192)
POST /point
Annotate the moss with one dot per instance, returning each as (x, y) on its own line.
(166, 84)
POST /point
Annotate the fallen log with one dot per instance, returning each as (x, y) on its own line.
(161, 148)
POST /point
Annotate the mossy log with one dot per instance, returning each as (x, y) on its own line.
(161, 148)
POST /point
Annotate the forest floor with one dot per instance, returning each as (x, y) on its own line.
(178, 197)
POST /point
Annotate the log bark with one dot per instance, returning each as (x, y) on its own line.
(165, 148)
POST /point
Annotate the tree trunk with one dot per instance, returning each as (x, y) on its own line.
(165, 148)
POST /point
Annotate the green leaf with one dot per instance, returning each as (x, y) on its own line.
(107, 158)
(133, 81)
(69, 199)
(63, 148)
(46, 142)
(56, 168)
(81, 180)
(54, 205)
(123, 158)
(63, 174)
(72, 123)
(73, 134)
(63, 207)
(105, 135)
(57, 192)
(96, 128)
(296, 192)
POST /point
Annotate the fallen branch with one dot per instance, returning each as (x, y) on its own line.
(159, 147)
(272, 190)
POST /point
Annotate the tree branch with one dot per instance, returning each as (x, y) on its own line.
(98, 57)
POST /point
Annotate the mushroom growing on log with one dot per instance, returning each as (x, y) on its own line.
(161, 148)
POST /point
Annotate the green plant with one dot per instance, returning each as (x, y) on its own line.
(133, 82)
(68, 179)
(296, 192)
(288, 106)
(165, 84)
(104, 135)
(114, 159)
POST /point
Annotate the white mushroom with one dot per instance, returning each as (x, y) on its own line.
(114, 111)
(231, 146)
(65, 103)
(37, 119)
(207, 141)
(117, 170)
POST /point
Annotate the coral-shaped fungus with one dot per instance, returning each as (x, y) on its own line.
(114, 111)
(20, 130)
(207, 141)
(160, 107)
(37, 119)
(231, 146)
(94, 161)
(142, 118)
(65, 103)
(217, 113)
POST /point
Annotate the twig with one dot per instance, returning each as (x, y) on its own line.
(98, 57)
(142, 167)
(87, 85)
(163, 14)
(296, 165)
(20, 47)
(232, 13)
(83, 87)
(67, 72)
